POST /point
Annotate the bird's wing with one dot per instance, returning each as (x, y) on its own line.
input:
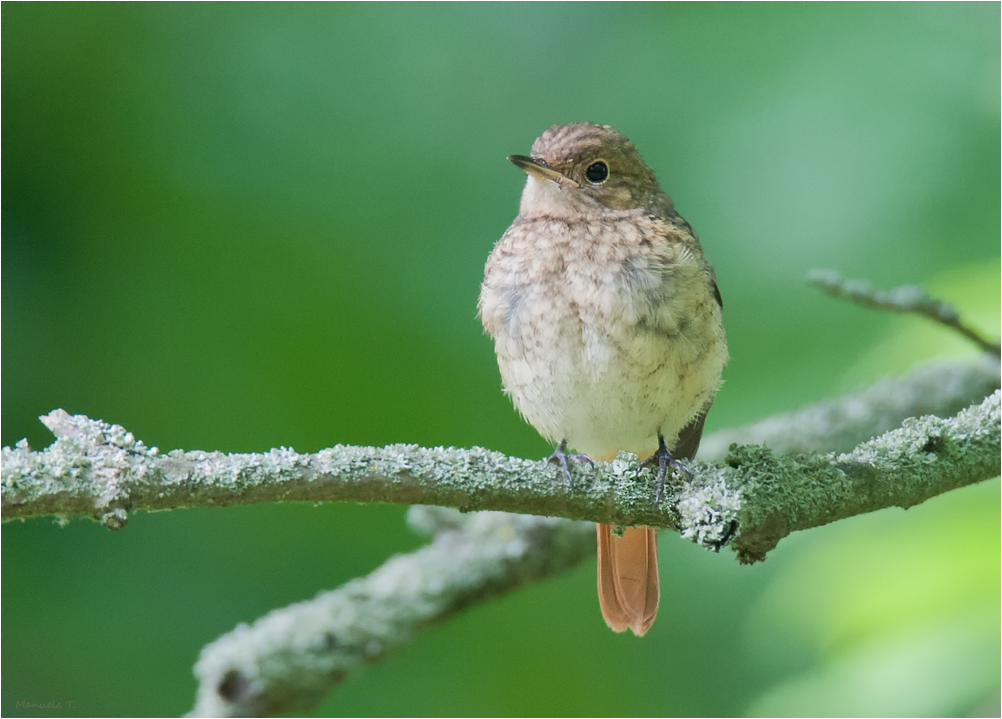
(688, 438)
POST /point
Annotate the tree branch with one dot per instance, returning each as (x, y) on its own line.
(906, 298)
(901, 468)
(942, 388)
(289, 659)
(293, 656)
(101, 470)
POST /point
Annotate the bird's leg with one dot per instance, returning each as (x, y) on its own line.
(664, 461)
(561, 457)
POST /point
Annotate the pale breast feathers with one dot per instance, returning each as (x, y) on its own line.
(642, 281)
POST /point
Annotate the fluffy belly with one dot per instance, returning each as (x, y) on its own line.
(604, 394)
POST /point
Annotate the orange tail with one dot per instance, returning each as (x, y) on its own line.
(628, 588)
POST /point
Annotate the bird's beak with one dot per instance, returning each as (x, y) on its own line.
(533, 168)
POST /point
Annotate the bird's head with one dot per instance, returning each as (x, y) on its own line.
(587, 169)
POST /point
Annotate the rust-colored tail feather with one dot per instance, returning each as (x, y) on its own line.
(628, 589)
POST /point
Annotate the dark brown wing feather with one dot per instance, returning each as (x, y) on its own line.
(716, 293)
(688, 438)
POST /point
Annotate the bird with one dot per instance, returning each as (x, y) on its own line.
(606, 321)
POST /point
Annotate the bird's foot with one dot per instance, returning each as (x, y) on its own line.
(561, 457)
(664, 461)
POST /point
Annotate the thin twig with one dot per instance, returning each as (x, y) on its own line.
(907, 298)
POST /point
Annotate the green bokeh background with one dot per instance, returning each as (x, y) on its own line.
(234, 227)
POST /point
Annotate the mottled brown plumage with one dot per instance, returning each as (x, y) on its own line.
(606, 320)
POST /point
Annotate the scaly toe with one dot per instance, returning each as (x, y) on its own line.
(561, 457)
(665, 462)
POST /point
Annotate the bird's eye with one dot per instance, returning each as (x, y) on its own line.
(597, 172)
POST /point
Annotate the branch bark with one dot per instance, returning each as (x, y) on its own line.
(293, 656)
(942, 388)
(101, 470)
(906, 298)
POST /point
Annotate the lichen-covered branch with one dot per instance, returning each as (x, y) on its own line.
(290, 658)
(779, 494)
(906, 298)
(293, 656)
(101, 470)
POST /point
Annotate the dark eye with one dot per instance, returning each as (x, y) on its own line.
(597, 172)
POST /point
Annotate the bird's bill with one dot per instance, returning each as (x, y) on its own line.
(533, 168)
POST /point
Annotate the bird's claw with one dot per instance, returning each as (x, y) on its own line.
(664, 460)
(561, 457)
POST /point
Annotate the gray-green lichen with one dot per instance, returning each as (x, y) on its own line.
(926, 456)
(708, 514)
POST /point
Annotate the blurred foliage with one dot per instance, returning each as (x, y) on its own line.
(234, 227)
(909, 630)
